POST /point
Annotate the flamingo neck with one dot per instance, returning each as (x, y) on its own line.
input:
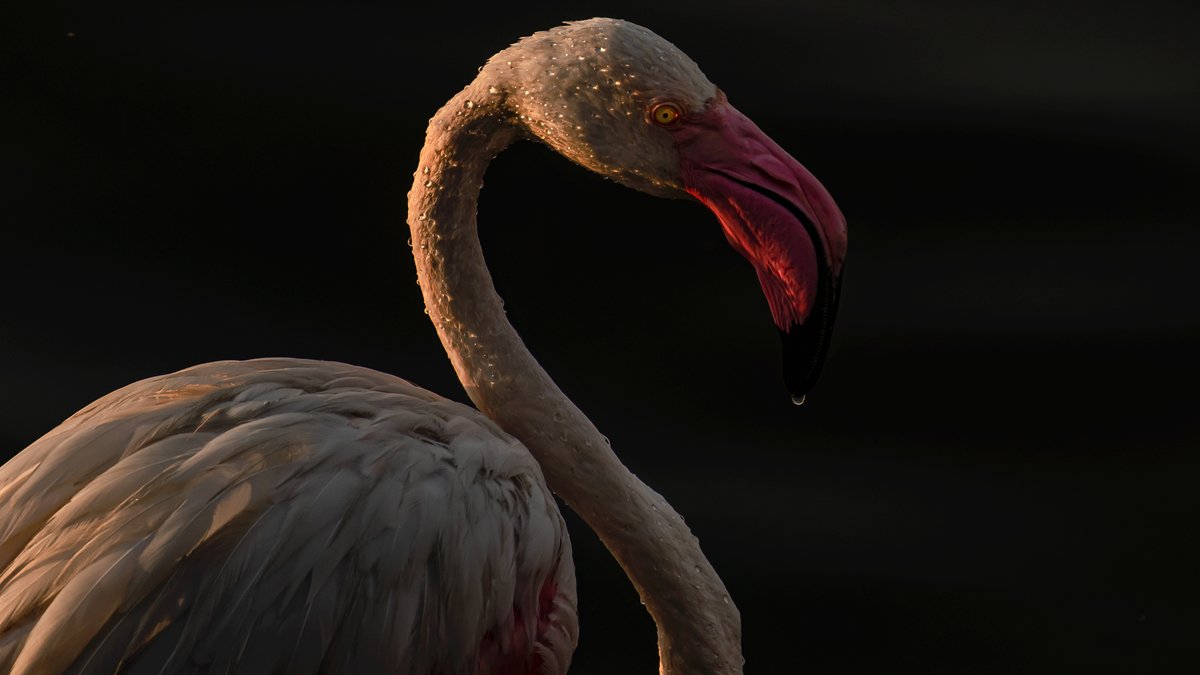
(699, 628)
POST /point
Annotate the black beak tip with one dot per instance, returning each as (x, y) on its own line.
(804, 347)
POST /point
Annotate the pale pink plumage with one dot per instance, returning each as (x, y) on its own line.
(280, 514)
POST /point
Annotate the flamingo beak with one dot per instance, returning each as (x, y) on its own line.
(780, 218)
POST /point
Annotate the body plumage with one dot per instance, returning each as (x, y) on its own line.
(281, 515)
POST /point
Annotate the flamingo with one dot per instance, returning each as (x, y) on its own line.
(290, 515)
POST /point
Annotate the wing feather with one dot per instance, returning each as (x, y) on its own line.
(277, 515)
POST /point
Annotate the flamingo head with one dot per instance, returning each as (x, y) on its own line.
(625, 103)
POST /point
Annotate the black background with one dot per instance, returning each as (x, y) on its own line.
(996, 473)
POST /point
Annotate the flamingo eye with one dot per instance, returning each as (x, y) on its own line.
(665, 114)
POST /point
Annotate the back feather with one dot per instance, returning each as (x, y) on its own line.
(279, 515)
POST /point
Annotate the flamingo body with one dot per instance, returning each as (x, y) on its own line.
(281, 515)
(295, 516)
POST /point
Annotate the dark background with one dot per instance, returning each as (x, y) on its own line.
(995, 474)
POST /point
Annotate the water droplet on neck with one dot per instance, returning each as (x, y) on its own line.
(798, 399)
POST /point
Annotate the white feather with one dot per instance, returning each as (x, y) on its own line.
(235, 507)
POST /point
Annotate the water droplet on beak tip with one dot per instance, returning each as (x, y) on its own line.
(798, 399)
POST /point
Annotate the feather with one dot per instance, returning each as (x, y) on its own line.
(364, 523)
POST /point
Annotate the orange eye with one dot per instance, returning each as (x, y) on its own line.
(666, 114)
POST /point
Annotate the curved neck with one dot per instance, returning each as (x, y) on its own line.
(699, 629)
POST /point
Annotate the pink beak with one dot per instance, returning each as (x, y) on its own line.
(776, 214)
